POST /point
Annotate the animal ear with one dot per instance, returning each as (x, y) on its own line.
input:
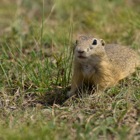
(102, 42)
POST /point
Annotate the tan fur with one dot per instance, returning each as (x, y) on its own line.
(101, 65)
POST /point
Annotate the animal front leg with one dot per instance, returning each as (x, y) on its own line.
(77, 81)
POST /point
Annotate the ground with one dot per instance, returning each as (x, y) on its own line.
(36, 45)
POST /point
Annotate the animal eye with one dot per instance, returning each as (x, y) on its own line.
(94, 42)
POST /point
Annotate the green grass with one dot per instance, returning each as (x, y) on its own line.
(36, 44)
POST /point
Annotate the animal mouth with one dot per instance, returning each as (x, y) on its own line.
(81, 57)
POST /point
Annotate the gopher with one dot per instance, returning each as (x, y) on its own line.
(101, 65)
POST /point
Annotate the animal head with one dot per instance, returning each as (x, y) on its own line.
(87, 47)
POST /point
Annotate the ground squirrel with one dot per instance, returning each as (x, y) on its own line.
(101, 65)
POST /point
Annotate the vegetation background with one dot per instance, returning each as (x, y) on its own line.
(36, 39)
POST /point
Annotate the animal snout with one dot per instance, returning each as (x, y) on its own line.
(81, 51)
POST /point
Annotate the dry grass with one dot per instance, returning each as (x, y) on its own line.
(35, 70)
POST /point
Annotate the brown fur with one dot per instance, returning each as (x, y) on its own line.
(103, 65)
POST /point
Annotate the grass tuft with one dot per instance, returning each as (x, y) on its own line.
(36, 53)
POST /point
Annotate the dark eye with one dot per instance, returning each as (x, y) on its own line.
(94, 42)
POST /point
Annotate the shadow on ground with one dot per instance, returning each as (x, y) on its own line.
(55, 96)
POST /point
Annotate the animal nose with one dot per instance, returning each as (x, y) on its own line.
(80, 51)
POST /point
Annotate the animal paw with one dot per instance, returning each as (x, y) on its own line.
(70, 93)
